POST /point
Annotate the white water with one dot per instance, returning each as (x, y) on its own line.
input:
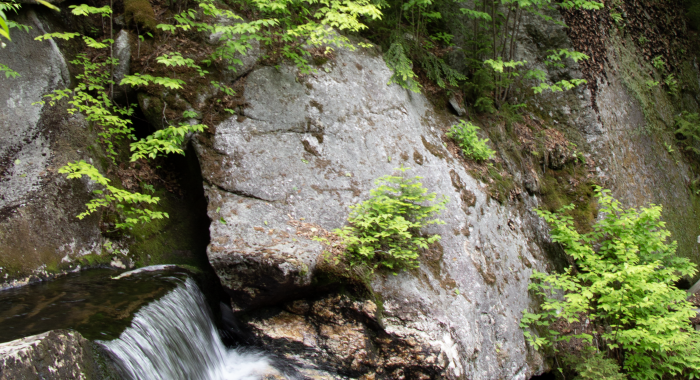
(174, 338)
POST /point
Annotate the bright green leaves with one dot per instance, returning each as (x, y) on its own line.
(5, 24)
(164, 141)
(498, 65)
(9, 73)
(562, 85)
(402, 67)
(344, 15)
(623, 284)
(465, 134)
(176, 59)
(557, 56)
(581, 4)
(4, 29)
(86, 10)
(146, 79)
(63, 36)
(384, 230)
(131, 207)
(476, 14)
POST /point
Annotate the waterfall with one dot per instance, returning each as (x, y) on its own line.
(174, 338)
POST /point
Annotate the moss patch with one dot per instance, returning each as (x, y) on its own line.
(141, 13)
(183, 237)
(563, 187)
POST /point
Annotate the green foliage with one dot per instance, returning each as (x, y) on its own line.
(9, 73)
(440, 72)
(688, 126)
(562, 85)
(6, 25)
(176, 59)
(130, 206)
(163, 141)
(385, 230)
(289, 27)
(4, 22)
(146, 79)
(490, 50)
(622, 284)
(465, 134)
(90, 97)
(672, 85)
(86, 10)
(594, 366)
(402, 67)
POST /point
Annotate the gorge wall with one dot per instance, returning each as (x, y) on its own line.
(305, 147)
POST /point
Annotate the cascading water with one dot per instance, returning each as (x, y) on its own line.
(174, 338)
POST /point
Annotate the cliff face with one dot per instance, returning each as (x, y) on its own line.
(306, 147)
(38, 228)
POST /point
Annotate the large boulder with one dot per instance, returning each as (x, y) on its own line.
(308, 147)
(57, 354)
(38, 227)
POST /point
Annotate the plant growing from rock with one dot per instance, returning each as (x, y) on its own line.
(620, 291)
(385, 230)
(465, 135)
(92, 98)
(688, 126)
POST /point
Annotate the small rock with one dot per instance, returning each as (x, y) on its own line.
(457, 106)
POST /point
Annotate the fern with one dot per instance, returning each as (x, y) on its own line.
(403, 74)
(385, 230)
(688, 126)
(439, 71)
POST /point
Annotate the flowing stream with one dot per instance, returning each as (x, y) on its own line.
(175, 338)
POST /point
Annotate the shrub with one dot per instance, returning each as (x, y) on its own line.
(594, 366)
(472, 146)
(385, 230)
(622, 289)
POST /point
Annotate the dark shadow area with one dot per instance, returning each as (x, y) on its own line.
(545, 376)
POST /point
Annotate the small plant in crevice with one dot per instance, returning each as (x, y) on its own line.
(465, 135)
(672, 84)
(592, 365)
(688, 126)
(385, 230)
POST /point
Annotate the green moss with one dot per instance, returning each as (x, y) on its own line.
(658, 106)
(140, 13)
(167, 241)
(94, 259)
(563, 187)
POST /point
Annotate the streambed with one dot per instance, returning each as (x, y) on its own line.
(152, 324)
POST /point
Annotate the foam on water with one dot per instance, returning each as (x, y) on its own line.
(175, 338)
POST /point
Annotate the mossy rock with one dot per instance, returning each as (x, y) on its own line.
(140, 13)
